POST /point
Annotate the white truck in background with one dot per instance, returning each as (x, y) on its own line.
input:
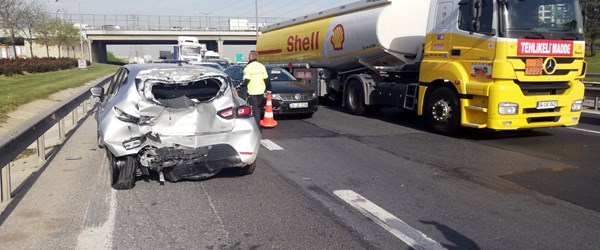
(211, 55)
(189, 49)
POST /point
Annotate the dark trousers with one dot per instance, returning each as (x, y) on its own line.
(255, 101)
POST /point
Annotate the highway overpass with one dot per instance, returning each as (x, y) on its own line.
(214, 40)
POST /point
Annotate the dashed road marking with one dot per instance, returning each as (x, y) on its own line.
(586, 130)
(270, 145)
(412, 237)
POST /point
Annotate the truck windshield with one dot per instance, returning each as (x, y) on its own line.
(190, 50)
(542, 19)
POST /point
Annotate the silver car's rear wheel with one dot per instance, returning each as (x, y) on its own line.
(247, 170)
(122, 171)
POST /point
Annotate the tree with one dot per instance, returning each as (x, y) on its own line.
(65, 34)
(45, 33)
(592, 25)
(12, 16)
(35, 18)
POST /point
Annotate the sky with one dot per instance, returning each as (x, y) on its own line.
(242, 9)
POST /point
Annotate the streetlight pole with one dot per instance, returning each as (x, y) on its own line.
(256, 22)
(205, 18)
(82, 64)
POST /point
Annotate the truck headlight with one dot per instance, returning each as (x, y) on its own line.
(577, 105)
(508, 108)
(275, 97)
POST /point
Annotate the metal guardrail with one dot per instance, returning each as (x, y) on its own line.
(19, 139)
(592, 89)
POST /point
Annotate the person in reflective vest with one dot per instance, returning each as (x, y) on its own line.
(256, 80)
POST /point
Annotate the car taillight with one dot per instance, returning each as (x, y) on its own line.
(242, 111)
(226, 113)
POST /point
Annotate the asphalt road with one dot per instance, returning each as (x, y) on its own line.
(334, 181)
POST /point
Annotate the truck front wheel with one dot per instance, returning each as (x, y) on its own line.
(442, 111)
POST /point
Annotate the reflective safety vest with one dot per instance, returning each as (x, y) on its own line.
(256, 73)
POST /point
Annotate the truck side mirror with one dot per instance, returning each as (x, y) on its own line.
(476, 8)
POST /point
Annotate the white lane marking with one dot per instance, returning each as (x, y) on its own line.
(214, 209)
(270, 145)
(412, 237)
(586, 130)
(101, 236)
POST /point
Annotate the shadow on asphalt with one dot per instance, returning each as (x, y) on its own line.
(411, 120)
(459, 241)
(591, 119)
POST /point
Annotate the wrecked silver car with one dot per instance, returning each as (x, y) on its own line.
(183, 122)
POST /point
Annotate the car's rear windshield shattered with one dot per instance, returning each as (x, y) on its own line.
(179, 88)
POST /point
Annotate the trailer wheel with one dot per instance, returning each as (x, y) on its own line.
(442, 111)
(355, 98)
(122, 172)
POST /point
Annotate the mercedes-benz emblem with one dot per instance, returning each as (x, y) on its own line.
(550, 65)
(297, 96)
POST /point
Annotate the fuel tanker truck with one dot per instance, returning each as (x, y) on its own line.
(497, 64)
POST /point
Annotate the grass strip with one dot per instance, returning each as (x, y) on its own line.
(20, 89)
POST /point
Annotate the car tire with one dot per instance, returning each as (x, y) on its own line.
(122, 177)
(442, 111)
(247, 170)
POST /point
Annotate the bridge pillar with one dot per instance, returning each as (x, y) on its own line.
(220, 47)
(99, 52)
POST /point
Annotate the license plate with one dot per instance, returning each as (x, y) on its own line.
(298, 105)
(533, 67)
(547, 104)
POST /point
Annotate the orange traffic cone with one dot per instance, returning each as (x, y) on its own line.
(268, 121)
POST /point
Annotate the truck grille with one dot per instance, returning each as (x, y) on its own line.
(565, 64)
(547, 88)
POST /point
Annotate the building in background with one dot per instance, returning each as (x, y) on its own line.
(6, 48)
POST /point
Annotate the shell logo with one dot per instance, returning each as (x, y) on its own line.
(337, 39)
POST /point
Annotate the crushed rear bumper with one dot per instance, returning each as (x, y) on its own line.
(178, 163)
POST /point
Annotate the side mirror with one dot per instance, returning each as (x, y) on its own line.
(476, 8)
(97, 92)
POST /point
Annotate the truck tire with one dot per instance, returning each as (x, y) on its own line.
(122, 177)
(355, 98)
(442, 111)
(246, 170)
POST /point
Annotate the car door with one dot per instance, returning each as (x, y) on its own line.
(117, 80)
